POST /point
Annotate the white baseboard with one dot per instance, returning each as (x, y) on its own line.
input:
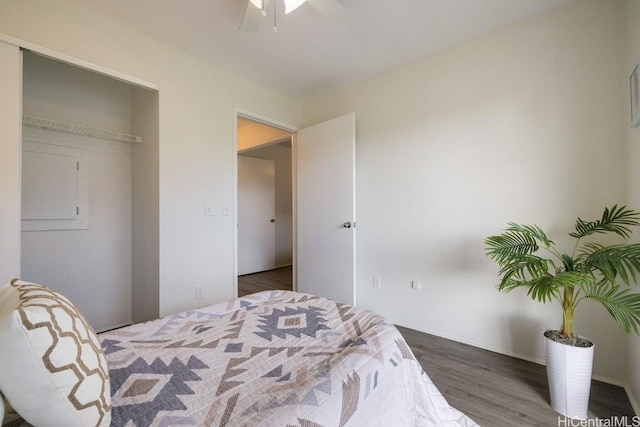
(528, 359)
(283, 265)
(264, 271)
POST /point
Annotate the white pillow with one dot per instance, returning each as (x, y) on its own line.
(52, 368)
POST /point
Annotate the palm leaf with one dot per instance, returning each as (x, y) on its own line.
(614, 261)
(543, 289)
(622, 304)
(591, 251)
(519, 265)
(510, 283)
(502, 248)
(516, 240)
(587, 249)
(571, 279)
(532, 272)
(532, 231)
(539, 288)
(550, 286)
(615, 220)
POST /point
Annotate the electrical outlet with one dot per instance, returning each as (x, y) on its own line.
(199, 292)
(377, 282)
(416, 284)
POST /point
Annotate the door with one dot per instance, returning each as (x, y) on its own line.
(325, 203)
(10, 159)
(256, 215)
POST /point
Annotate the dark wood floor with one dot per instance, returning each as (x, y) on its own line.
(279, 278)
(493, 389)
(498, 390)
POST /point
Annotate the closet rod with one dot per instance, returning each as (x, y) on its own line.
(52, 125)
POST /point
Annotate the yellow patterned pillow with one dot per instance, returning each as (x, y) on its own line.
(52, 368)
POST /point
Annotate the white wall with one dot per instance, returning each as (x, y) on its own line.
(91, 267)
(145, 204)
(281, 155)
(523, 124)
(196, 111)
(632, 56)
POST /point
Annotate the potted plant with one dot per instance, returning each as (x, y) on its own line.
(529, 259)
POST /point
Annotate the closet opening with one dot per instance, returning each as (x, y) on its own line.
(90, 220)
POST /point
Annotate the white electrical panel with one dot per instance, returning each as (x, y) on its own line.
(55, 187)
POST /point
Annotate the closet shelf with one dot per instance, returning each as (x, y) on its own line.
(52, 125)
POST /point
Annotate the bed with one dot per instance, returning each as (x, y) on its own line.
(276, 358)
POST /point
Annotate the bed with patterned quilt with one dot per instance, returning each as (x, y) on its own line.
(275, 358)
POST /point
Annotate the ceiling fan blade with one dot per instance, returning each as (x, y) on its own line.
(253, 16)
(291, 5)
(331, 9)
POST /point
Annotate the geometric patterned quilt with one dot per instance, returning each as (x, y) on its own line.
(275, 358)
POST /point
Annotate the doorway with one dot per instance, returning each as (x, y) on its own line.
(264, 207)
(323, 212)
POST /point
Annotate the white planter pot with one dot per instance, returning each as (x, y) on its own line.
(569, 374)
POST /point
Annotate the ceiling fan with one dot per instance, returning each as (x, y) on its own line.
(256, 11)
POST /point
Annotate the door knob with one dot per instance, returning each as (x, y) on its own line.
(347, 224)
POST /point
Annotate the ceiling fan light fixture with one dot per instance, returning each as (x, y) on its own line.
(291, 5)
(260, 4)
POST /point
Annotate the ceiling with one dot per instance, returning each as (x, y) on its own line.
(309, 55)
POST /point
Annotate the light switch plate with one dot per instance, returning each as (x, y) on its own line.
(208, 209)
(226, 209)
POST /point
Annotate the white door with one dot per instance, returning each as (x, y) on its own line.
(256, 215)
(325, 203)
(10, 164)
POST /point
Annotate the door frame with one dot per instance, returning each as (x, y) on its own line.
(81, 63)
(239, 112)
